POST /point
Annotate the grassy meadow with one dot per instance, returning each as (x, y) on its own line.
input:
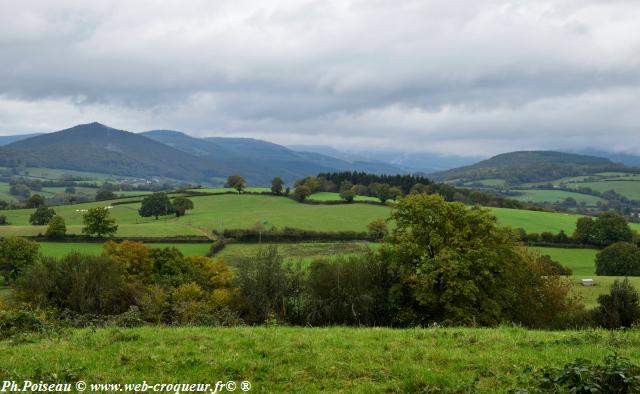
(553, 196)
(244, 211)
(288, 359)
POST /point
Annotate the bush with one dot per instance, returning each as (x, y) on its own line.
(620, 308)
(378, 229)
(616, 375)
(82, 284)
(21, 322)
(3, 220)
(619, 259)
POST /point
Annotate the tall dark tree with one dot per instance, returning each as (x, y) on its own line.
(156, 204)
(35, 201)
(237, 182)
(42, 216)
(98, 221)
(102, 195)
(277, 185)
(181, 205)
(346, 191)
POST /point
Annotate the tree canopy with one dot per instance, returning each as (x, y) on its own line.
(98, 221)
(156, 204)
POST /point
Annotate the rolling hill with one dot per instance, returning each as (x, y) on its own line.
(165, 153)
(96, 147)
(530, 166)
(8, 139)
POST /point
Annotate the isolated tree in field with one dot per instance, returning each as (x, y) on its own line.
(181, 205)
(57, 229)
(16, 254)
(236, 182)
(41, 216)
(277, 185)
(301, 192)
(35, 201)
(3, 204)
(98, 221)
(619, 259)
(156, 204)
(102, 195)
(346, 191)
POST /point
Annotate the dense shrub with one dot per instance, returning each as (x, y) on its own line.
(607, 229)
(351, 290)
(620, 308)
(378, 229)
(3, 220)
(21, 322)
(80, 283)
(56, 229)
(619, 259)
(289, 234)
(615, 375)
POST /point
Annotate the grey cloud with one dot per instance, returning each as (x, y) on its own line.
(443, 76)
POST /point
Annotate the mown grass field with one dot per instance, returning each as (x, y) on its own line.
(553, 196)
(581, 261)
(311, 360)
(602, 285)
(59, 249)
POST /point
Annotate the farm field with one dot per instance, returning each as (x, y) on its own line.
(244, 211)
(629, 189)
(602, 285)
(287, 359)
(553, 196)
(305, 252)
(229, 189)
(60, 249)
(581, 261)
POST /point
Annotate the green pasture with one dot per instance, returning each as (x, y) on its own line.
(4, 193)
(581, 261)
(313, 360)
(553, 196)
(59, 249)
(602, 285)
(629, 189)
(246, 210)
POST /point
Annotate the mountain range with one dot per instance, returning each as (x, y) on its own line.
(172, 154)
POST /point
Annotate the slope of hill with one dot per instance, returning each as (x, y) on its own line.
(530, 166)
(96, 147)
(8, 139)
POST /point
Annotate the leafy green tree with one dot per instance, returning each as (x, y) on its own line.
(610, 228)
(620, 308)
(237, 182)
(346, 191)
(385, 192)
(16, 254)
(98, 221)
(277, 185)
(70, 190)
(35, 201)
(156, 204)
(458, 267)
(312, 182)
(4, 204)
(102, 195)
(301, 192)
(619, 259)
(584, 232)
(57, 229)
(181, 205)
(41, 216)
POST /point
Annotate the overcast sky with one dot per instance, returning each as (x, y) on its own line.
(460, 77)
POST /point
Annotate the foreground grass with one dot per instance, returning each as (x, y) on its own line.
(309, 360)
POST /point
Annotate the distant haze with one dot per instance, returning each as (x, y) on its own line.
(450, 77)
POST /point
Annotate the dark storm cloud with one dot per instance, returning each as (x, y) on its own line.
(446, 76)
